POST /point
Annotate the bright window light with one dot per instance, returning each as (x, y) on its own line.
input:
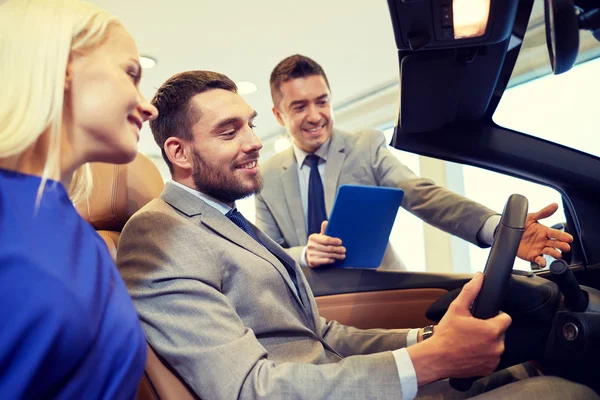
(246, 87)
(147, 62)
(281, 144)
(470, 17)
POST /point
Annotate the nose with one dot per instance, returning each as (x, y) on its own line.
(313, 115)
(252, 142)
(148, 111)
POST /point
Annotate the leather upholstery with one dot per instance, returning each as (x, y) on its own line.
(388, 309)
(119, 191)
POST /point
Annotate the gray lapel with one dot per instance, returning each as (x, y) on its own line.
(335, 160)
(196, 208)
(291, 187)
(284, 257)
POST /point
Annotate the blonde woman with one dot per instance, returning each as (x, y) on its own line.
(69, 76)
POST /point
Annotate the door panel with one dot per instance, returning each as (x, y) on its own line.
(389, 309)
(372, 299)
(329, 281)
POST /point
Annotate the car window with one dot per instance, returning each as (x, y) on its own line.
(407, 237)
(559, 108)
(493, 190)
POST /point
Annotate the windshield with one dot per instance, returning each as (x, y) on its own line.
(559, 108)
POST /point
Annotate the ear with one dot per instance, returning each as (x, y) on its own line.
(277, 115)
(69, 73)
(178, 153)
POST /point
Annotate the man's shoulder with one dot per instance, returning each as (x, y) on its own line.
(155, 206)
(155, 212)
(275, 162)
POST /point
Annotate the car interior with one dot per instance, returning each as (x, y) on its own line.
(451, 82)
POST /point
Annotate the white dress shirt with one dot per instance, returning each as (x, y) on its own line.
(211, 201)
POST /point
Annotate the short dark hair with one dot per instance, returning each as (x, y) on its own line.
(176, 114)
(293, 67)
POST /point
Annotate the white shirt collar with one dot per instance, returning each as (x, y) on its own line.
(301, 154)
(211, 201)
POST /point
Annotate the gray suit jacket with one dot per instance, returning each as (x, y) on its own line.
(360, 159)
(222, 310)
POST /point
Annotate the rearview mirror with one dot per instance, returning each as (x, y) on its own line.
(564, 19)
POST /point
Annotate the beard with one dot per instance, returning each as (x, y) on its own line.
(220, 182)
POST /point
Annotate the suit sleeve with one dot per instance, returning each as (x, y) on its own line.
(350, 341)
(194, 326)
(266, 223)
(433, 204)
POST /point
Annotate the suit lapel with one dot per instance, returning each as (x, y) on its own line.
(333, 167)
(196, 209)
(283, 257)
(291, 187)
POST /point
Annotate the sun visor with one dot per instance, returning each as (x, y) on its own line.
(450, 55)
(438, 87)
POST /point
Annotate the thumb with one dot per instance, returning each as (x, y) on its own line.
(502, 320)
(323, 227)
(469, 292)
(544, 212)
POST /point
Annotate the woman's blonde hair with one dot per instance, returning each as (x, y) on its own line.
(37, 37)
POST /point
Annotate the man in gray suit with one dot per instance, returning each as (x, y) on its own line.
(232, 313)
(296, 200)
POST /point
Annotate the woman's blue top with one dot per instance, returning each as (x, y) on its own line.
(68, 329)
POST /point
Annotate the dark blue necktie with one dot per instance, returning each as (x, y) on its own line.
(316, 198)
(237, 218)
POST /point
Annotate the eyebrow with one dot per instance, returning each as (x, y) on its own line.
(298, 102)
(229, 121)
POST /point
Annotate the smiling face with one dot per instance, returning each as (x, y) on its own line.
(104, 109)
(225, 148)
(305, 111)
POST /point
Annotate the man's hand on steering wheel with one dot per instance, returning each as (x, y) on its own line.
(539, 239)
(462, 345)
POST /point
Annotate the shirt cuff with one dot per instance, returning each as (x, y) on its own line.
(303, 262)
(486, 233)
(412, 337)
(406, 373)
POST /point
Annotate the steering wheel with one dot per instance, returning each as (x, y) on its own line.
(498, 268)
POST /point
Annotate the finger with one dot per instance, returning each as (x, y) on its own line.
(323, 227)
(469, 292)
(324, 240)
(562, 246)
(544, 212)
(552, 252)
(501, 322)
(324, 254)
(328, 249)
(541, 261)
(318, 262)
(559, 235)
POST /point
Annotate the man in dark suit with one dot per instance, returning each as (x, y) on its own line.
(232, 313)
(322, 158)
